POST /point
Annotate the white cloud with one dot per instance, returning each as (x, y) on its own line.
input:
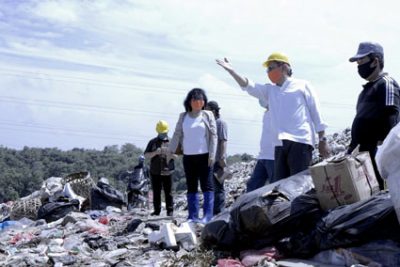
(66, 12)
(139, 58)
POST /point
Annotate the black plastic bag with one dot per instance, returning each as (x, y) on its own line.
(256, 211)
(345, 226)
(303, 213)
(132, 225)
(264, 216)
(104, 195)
(53, 211)
(219, 233)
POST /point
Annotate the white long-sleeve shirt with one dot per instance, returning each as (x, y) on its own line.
(294, 107)
(267, 144)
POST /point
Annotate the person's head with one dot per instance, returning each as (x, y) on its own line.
(195, 100)
(141, 160)
(278, 67)
(214, 107)
(370, 60)
(162, 129)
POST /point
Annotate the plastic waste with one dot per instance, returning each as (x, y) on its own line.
(21, 237)
(131, 227)
(25, 222)
(91, 226)
(275, 211)
(170, 235)
(72, 244)
(51, 233)
(112, 256)
(219, 232)
(10, 225)
(95, 214)
(56, 245)
(5, 209)
(104, 220)
(52, 187)
(111, 209)
(56, 210)
(345, 226)
(386, 252)
(387, 160)
(70, 194)
(104, 195)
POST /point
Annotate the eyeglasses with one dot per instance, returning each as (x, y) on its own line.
(272, 67)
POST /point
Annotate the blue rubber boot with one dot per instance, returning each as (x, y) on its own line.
(208, 206)
(193, 207)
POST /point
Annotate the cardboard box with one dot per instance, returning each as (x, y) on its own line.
(344, 180)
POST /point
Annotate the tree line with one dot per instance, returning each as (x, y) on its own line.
(23, 171)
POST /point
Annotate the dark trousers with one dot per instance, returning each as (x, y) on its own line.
(291, 158)
(263, 172)
(372, 152)
(159, 182)
(219, 192)
(197, 170)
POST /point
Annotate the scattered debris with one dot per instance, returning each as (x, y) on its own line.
(114, 236)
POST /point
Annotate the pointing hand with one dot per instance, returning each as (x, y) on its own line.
(225, 64)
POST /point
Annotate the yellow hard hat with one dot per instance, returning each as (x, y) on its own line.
(276, 56)
(162, 127)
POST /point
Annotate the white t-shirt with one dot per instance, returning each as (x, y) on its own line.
(194, 136)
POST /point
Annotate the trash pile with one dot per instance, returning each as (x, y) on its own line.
(344, 221)
(73, 221)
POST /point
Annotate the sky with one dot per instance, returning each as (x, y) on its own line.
(90, 74)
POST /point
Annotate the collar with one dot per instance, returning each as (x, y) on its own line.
(376, 79)
(286, 83)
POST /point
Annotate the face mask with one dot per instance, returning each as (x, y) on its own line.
(197, 104)
(163, 136)
(275, 75)
(365, 70)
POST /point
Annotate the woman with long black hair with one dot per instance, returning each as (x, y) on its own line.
(196, 136)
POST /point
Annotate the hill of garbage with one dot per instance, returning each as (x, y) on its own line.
(63, 224)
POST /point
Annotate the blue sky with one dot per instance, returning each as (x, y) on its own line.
(89, 74)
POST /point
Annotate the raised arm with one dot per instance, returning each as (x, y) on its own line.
(224, 63)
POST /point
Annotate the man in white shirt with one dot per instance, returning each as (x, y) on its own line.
(295, 115)
(264, 170)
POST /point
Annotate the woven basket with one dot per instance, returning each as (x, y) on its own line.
(25, 208)
(80, 182)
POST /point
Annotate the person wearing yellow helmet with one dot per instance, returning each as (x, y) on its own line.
(161, 168)
(295, 114)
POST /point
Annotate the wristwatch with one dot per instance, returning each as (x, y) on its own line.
(323, 139)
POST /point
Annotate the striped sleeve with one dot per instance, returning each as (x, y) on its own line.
(392, 91)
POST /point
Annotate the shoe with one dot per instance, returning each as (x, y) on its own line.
(155, 213)
(170, 213)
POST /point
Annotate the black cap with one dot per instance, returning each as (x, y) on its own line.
(213, 105)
